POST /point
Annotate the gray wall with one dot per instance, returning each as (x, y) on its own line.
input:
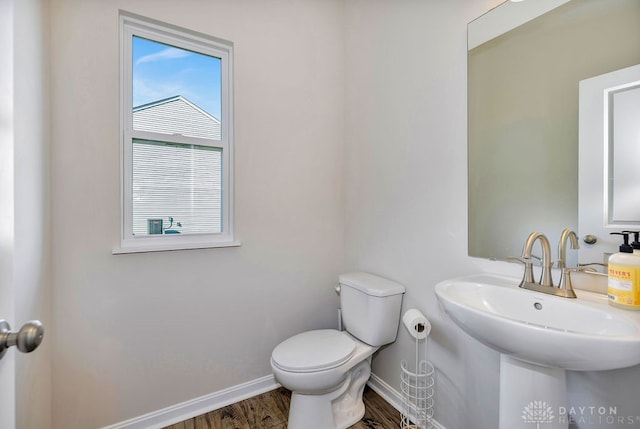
(406, 189)
(139, 332)
(406, 183)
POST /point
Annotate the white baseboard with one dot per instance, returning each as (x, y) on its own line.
(195, 407)
(392, 396)
(204, 404)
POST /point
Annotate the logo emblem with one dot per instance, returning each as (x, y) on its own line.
(537, 412)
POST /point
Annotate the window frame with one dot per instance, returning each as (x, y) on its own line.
(133, 25)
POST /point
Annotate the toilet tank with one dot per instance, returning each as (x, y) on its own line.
(370, 307)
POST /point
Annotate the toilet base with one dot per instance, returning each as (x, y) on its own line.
(337, 409)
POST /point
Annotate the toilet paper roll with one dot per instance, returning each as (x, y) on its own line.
(417, 325)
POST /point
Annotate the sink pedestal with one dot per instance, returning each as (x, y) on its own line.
(531, 396)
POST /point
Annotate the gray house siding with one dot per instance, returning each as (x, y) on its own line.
(176, 115)
(174, 180)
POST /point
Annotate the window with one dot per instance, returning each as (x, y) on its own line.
(177, 142)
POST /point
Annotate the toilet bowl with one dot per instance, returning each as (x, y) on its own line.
(326, 369)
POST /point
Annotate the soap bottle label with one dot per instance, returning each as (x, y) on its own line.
(624, 286)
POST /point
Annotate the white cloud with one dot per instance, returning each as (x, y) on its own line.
(147, 90)
(166, 54)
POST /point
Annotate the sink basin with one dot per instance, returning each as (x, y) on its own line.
(584, 334)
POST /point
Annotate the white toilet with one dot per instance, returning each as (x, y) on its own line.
(326, 369)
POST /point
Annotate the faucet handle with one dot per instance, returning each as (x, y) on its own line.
(592, 264)
(533, 259)
(518, 259)
(594, 267)
(565, 282)
(528, 267)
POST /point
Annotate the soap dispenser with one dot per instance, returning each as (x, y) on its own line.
(635, 244)
(624, 276)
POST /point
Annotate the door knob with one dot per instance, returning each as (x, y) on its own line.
(27, 339)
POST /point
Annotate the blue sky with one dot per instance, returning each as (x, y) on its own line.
(162, 71)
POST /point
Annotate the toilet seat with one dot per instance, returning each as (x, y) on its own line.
(314, 351)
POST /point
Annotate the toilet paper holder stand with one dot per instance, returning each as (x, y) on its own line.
(417, 386)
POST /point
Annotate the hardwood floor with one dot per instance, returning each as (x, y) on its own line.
(270, 410)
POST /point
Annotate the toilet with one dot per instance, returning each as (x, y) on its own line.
(326, 369)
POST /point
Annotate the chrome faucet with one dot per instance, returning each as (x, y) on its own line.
(545, 285)
(547, 263)
(565, 273)
(567, 234)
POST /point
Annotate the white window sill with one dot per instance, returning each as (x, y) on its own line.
(166, 247)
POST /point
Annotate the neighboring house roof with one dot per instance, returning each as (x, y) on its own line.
(176, 115)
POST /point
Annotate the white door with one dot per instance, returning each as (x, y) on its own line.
(25, 400)
(609, 178)
(7, 364)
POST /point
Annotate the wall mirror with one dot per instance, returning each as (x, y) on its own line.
(523, 89)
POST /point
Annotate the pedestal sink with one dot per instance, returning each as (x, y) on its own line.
(539, 337)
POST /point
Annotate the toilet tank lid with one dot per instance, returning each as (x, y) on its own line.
(370, 284)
